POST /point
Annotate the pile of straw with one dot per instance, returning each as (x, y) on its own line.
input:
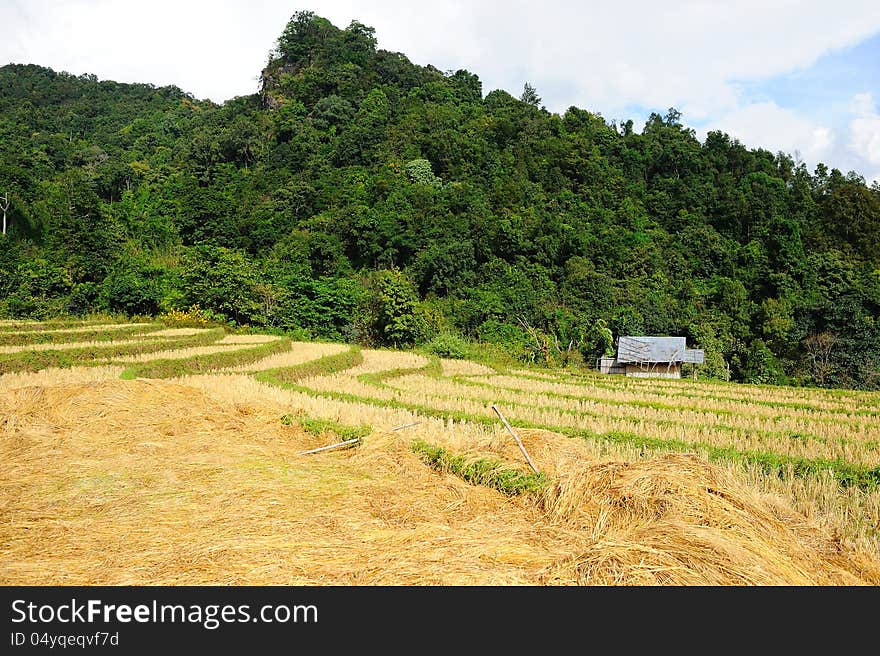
(151, 482)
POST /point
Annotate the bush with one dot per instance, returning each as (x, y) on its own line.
(224, 281)
(194, 317)
(448, 345)
(83, 298)
(41, 290)
(762, 367)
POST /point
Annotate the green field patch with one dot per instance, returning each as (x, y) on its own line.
(323, 427)
(381, 378)
(679, 387)
(480, 471)
(329, 364)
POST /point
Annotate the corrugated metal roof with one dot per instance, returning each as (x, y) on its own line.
(694, 355)
(650, 349)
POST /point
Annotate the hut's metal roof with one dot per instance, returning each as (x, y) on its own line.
(651, 349)
(694, 355)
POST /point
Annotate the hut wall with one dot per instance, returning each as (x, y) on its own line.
(656, 370)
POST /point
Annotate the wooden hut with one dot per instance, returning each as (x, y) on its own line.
(650, 357)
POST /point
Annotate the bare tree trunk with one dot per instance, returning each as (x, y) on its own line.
(5, 208)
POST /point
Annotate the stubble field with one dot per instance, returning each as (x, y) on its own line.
(153, 454)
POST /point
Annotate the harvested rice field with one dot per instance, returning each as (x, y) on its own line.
(151, 454)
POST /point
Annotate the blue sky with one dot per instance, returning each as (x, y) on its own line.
(822, 89)
(801, 76)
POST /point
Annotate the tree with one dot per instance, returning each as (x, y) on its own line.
(224, 281)
(4, 206)
(598, 342)
(390, 313)
(133, 286)
(818, 349)
(530, 95)
(419, 171)
(82, 234)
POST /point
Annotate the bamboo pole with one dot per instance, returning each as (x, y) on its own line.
(415, 423)
(516, 437)
(331, 446)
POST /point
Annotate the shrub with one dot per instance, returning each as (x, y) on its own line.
(194, 317)
(448, 345)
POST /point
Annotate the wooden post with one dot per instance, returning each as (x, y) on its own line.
(516, 437)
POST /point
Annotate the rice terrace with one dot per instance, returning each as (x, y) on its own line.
(147, 453)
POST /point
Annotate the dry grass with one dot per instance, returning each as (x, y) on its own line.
(676, 520)
(59, 376)
(179, 332)
(851, 513)
(464, 368)
(686, 386)
(151, 482)
(683, 397)
(376, 361)
(81, 329)
(248, 339)
(174, 354)
(197, 481)
(66, 346)
(822, 436)
(228, 343)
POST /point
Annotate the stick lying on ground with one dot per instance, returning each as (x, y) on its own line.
(332, 446)
(516, 437)
(415, 423)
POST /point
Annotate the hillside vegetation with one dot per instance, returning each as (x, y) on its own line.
(360, 197)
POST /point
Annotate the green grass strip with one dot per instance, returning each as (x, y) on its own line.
(847, 474)
(483, 471)
(381, 378)
(99, 354)
(320, 427)
(200, 364)
(329, 364)
(94, 335)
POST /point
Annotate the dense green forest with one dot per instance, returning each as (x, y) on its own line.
(359, 196)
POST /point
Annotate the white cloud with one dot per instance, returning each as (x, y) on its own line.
(864, 140)
(865, 129)
(775, 128)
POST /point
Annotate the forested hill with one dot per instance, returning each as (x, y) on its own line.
(360, 196)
